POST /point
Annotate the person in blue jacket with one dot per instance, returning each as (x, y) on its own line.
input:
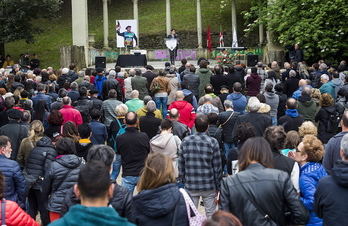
(99, 80)
(308, 154)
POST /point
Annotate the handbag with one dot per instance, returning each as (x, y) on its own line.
(265, 215)
(196, 220)
(155, 87)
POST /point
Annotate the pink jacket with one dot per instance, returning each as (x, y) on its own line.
(71, 114)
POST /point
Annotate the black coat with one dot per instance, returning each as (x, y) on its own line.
(109, 84)
(121, 201)
(149, 124)
(323, 117)
(272, 191)
(291, 123)
(290, 86)
(157, 206)
(228, 126)
(40, 158)
(217, 81)
(56, 183)
(233, 78)
(330, 199)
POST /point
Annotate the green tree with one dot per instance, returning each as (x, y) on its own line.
(319, 26)
(16, 17)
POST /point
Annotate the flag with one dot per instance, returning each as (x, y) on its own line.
(221, 39)
(209, 40)
(234, 39)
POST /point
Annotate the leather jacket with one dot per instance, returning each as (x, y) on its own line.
(272, 191)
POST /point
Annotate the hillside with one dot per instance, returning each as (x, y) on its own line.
(152, 22)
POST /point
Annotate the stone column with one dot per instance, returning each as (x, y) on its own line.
(168, 17)
(80, 25)
(199, 24)
(261, 36)
(105, 23)
(136, 15)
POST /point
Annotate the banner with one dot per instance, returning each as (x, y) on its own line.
(121, 25)
(209, 40)
(234, 38)
(221, 39)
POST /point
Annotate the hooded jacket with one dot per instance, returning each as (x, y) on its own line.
(328, 87)
(189, 97)
(60, 176)
(330, 199)
(167, 144)
(157, 207)
(90, 216)
(272, 100)
(253, 84)
(16, 216)
(239, 102)
(323, 117)
(186, 111)
(307, 107)
(204, 79)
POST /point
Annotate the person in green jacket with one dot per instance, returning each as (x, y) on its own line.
(204, 76)
(94, 188)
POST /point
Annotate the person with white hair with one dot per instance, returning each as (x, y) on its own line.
(128, 84)
(149, 124)
(64, 77)
(291, 84)
(328, 86)
(260, 121)
(112, 83)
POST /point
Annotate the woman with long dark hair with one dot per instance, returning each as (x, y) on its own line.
(258, 194)
(41, 113)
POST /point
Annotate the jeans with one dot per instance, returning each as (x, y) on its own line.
(116, 166)
(130, 182)
(162, 101)
(208, 200)
(274, 121)
(227, 146)
(37, 203)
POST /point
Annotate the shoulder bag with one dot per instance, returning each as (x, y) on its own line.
(196, 220)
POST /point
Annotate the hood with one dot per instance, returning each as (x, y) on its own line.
(331, 109)
(203, 70)
(90, 216)
(69, 161)
(306, 100)
(179, 104)
(340, 173)
(44, 142)
(235, 96)
(292, 113)
(157, 202)
(337, 82)
(254, 75)
(161, 141)
(238, 68)
(186, 92)
(143, 110)
(170, 76)
(270, 95)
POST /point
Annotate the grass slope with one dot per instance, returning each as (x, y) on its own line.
(152, 20)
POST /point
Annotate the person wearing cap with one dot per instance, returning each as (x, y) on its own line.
(224, 92)
(24, 61)
(97, 103)
(34, 63)
(14, 130)
(128, 36)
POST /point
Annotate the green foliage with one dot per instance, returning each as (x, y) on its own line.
(318, 25)
(16, 18)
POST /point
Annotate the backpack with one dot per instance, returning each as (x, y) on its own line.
(333, 122)
(121, 130)
(189, 98)
(316, 80)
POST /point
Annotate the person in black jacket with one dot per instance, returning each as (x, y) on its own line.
(227, 119)
(60, 176)
(332, 191)
(218, 79)
(257, 195)
(40, 157)
(111, 83)
(122, 198)
(149, 124)
(159, 201)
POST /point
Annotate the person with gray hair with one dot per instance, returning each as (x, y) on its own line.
(306, 105)
(332, 191)
(291, 84)
(260, 121)
(227, 120)
(128, 84)
(135, 103)
(41, 95)
(149, 124)
(207, 106)
(26, 118)
(74, 93)
(111, 83)
(64, 78)
(69, 113)
(80, 78)
(328, 86)
(142, 111)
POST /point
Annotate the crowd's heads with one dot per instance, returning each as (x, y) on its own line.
(65, 71)
(201, 123)
(307, 128)
(207, 98)
(5, 146)
(228, 104)
(291, 103)
(245, 131)
(112, 93)
(220, 218)
(292, 74)
(166, 124)
(326, 100)
(151, 106)
(179, 95)
(208, 88)
(275, 135)
(55, 118)
(65, 146)
(135, 94)
(344, 147)
(213, 118)
(312, 147)
(112, 73)
(254, 104)
(84, 130)
(174, 114)
(306, 91)
(121, 110)
(103, 153)
(131, 118)
(293, 139)
(237, 87)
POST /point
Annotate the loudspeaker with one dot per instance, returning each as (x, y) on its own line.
(100, 62)
(252, 60)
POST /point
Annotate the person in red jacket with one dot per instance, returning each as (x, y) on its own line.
(14, 214)
(70, 113)
(186, 110)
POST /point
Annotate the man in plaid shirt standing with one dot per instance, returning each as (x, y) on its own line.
(200, 165)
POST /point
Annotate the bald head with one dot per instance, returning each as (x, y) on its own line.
(302, 82)
(135, 94)
(187, 65)
(179, 95)
(174, 114)
(291, 103)
(207, 98)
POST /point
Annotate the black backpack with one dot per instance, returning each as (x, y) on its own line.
(333, 122)
(189, 98)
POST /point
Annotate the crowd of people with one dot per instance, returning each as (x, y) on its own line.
(265, 145)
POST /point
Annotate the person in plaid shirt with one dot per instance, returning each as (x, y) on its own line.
(199, 165)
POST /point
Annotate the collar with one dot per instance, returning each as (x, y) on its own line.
(84, 141)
